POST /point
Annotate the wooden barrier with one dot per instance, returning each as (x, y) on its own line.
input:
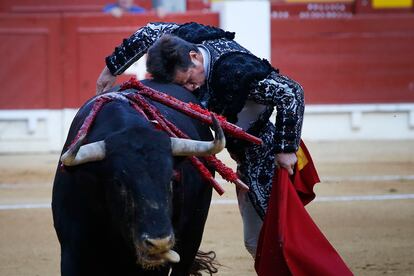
(90, 38)
(53, 61)
(313, 10)
(38, 5)
(31, 71)
(362, 59)
(79, 5)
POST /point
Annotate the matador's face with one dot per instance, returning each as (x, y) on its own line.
(194, 76)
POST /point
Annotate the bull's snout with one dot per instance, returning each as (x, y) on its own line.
(157, 251)
(157, 245)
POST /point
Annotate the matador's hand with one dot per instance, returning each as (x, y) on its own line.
(287, 161)
(105, 81)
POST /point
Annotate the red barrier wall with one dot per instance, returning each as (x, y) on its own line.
(90, 38)
(307, 10)
(363, 59)
(60, 5)
(79, 5)
(31, 70)
(52, 61)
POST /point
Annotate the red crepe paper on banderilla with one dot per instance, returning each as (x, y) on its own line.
(151, 113)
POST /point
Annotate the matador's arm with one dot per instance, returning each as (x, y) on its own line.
(134, 47)
(287, 95)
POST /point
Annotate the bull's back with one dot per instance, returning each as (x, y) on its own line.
(192, 127)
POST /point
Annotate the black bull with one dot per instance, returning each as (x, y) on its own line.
(122, 215)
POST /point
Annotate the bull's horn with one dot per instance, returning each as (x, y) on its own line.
(187, 147)
(172, 256)
(86, 153)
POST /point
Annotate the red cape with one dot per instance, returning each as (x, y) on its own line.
(290, 242)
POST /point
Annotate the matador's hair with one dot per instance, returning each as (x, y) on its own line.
(167, 55)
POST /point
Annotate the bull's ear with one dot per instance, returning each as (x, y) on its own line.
(86, 153)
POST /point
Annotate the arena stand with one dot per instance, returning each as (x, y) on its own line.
(355, 63)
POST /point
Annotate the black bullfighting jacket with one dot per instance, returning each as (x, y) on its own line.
(236, 76)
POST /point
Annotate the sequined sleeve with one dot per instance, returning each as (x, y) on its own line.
(134, 47)
(287, 95)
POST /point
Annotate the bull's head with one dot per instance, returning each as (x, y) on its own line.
(180, 147)
(138, 192)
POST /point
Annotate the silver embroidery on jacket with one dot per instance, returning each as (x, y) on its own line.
(139, 44)
(287, 96)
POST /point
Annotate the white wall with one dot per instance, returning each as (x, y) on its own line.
(251, 22)
(46, 130)
(34, 130)
(359, 122)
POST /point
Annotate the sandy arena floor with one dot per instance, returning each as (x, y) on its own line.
(374, 235)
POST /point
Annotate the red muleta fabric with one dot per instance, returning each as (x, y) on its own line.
(290, 242)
